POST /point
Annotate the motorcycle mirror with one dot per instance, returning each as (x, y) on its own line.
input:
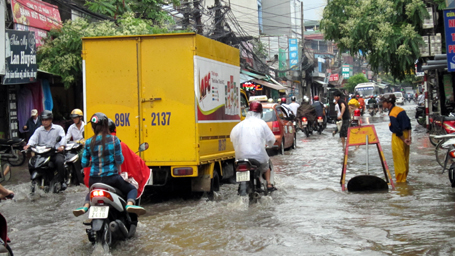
(143, 147)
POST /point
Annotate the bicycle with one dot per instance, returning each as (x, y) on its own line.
(442, 151)
(5, 171)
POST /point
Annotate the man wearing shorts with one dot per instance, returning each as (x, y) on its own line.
(344, 116)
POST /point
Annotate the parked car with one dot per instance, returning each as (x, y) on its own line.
(398, 96)
(281, 125)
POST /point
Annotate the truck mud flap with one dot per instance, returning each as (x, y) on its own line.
(201, 183)
(159, 176)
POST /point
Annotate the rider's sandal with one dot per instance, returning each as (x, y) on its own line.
(135, 209)
(79, 211)
(271, 189)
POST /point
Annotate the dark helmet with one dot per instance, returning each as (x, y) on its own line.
(283, 100)
(256, 106)
(293, 98)
(112, 127)
(46, 114)
(316, 97)
(98, 119)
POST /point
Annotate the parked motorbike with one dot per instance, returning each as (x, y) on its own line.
(11, 151)
(251, 181)
(43, 172)
(72, 163)
(110, 220)
(420, 115)
(450, 157)
(5, 249)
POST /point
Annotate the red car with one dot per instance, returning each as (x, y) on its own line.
(281, 125)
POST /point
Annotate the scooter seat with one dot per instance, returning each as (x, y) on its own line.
(11, 141)
(449, 118)
(108, 188)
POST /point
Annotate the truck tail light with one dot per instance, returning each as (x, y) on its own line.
(243, 167)
(183, 171)
(276, 128)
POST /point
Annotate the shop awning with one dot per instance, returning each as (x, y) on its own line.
(245, 78)
(320, 82)
(277, 87)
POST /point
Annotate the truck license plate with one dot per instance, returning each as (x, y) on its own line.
(98, 212)
(243, 176)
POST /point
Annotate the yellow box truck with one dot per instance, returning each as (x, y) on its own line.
(178, 92)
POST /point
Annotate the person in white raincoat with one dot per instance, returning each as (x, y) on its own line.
(250, 138)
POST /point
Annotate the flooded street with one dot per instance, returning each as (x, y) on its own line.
(308, 215)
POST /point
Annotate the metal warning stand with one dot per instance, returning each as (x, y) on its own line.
(358, 136)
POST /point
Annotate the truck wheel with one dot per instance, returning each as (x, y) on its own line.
(215, 186)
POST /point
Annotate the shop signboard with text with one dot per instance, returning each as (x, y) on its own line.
(293, 53)
(36, 14)
(20, 57)
(449, 28)
(40, 34)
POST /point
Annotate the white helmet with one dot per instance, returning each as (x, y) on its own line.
(306, 99)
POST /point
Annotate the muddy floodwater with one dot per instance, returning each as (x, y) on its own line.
(308, 215)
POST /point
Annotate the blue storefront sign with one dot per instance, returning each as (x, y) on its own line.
(449, 28)
(293, 53)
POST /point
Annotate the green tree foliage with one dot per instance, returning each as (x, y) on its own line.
(355, 80)
(61, 53)
(143, 9)
(385, 31)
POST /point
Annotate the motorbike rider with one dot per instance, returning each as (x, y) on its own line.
(353, 105)
(47, 134)
(362, 103)
(32, 123)
(294, 106)
(106, 155)
(421, 99)
(286, 108)
(307, 110)
(373, 101)
(249, 138)
(76, 130)
(319, 107)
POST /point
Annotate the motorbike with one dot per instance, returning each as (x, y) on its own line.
(373, 108)
(109, 219)
(420, 115)
(356, 118)
(450, 157)
(11, 151)
(251, 181)
(73, 166)
(43, 172)
(5, 249)
(305, 127)
(319, 125)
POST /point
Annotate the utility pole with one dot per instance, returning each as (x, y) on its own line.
(186, 14)
(302, 72)
(218, 18)
(198, 16)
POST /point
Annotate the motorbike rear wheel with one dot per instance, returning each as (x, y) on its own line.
(436, 130)
(104, 237)
(307, 133)
(451, 176)
(20, 160)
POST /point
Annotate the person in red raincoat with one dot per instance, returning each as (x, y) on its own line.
(133, 165)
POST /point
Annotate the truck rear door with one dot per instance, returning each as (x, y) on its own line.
(167, 103)
(111, 85)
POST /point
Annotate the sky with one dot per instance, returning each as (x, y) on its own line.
(313, 9)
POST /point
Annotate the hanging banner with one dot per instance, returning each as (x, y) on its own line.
(36, 14)
(20, 56)
(293, 53)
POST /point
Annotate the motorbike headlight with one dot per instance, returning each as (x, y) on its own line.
(41, 149)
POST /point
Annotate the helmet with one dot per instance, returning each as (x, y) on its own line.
(256, 106)
(283, 100)
(46, 114)
(98, 119)
(316, 97)
(293, 98)
(306, 99)
(76, 113)
(371, 96)
(357, 96)
(111, 124)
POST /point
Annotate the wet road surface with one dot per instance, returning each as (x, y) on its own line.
(308, 215)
